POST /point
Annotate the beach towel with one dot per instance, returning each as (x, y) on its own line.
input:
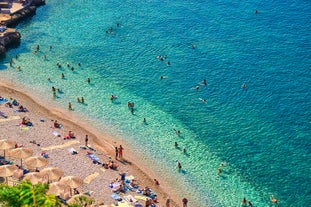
(116, 197)
(3, 100)
(93, 157)
(130, 198)
(56, 134)
(124, 204)
(72, 151)
(144, 198)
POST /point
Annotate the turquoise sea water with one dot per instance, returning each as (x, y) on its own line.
(262, 132)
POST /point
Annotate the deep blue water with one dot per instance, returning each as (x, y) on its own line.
(262, 132)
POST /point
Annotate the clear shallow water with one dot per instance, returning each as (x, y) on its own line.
(262, 132)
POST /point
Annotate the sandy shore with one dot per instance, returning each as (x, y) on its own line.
(96, 178)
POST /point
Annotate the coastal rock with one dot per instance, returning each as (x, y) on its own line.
(8, 37)
(20, 15)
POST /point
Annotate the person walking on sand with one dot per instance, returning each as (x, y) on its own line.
(86, 139)
(168, 201)
(120, 152)
(184, 202)
(117, 152)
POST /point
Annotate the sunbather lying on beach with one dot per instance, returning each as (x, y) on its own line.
(8, 104)
(21, 109)
(70, 135)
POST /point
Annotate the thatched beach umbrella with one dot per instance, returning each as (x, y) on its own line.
(72, 182)
(21, 153)
(7, 144)
(52, 173)
(34, 177)
(57, 188)
(35, 162)
(7, 170)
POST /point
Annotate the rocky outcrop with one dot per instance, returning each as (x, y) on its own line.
(20, 15)
(8, 37)
(11, 36)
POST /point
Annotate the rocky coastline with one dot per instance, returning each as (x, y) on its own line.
(9, 36)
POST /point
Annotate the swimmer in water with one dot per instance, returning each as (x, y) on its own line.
(203, 100)
(218, 171)
(162, 77)
(204, 83)
(273, 199)
(179, 165)
(243, 85)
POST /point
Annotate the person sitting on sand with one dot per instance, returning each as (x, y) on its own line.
(22, 109)
(112, 165)
(26, 121)
(70, 135)
(156, 182)
(44, 155)
(8, 104)
(14, 102)
(134, 183)
(56, 124)
(121, 189)
(146, 191)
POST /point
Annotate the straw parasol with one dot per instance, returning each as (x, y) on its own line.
(57, 188)
(7, 170)
(6, 144)
(21, 153)
(34, 177)
(53, 173)
(72, 182)
(35, 162)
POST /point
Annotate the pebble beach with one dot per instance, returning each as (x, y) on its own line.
(43, 137)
